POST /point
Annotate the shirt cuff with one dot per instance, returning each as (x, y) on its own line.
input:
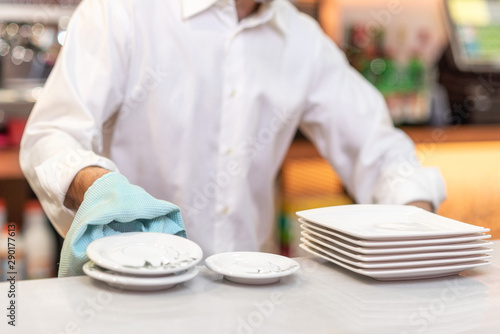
(56, 174)
(409, 185)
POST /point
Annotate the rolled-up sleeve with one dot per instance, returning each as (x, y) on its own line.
(65, 129)
(348, 121)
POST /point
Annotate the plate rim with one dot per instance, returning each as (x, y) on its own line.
(414, 256)
(403, 250)
(137, 281)
(382, 243)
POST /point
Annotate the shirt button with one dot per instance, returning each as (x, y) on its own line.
(222, 209)
(226, 150)
(234, 93)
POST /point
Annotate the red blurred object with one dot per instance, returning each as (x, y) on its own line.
(15, 129)
(4, 140)
(32, 205)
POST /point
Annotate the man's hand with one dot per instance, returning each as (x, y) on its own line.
(423, 205)
(110, 206)
(82, 181)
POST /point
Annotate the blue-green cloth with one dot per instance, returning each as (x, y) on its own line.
(112, 205)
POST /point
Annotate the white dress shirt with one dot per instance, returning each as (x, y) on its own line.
(200, 109)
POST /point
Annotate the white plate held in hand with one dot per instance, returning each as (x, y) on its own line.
(252, 267)
(144, 253)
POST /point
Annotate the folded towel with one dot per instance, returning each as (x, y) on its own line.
(112, 205)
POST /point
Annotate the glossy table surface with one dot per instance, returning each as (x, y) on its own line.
(319, 298)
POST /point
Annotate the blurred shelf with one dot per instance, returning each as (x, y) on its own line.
(34, 12)
(18, 101)
(25, 94)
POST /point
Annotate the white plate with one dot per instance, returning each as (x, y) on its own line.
(399, 250)
(151, 283)
(387, 222)
(396, 257)
(144, 253)
(252, 267)
(384, 243)
(392, 264)
(399, 274)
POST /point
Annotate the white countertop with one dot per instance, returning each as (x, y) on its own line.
(319, 298)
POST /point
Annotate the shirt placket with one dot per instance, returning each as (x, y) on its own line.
(231, 134)
(232, 88)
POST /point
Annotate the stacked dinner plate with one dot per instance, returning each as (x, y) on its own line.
(393, 242)
(142, 261)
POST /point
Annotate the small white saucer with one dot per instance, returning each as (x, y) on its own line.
(144, 253)
(124, 282)
(252, 267)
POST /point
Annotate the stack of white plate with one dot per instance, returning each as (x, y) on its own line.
(393, 242)
(143, 261)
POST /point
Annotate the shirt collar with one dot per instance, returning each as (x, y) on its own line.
(278, 18)
(192, 7)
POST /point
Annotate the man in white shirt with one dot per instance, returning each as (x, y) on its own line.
(197, 102)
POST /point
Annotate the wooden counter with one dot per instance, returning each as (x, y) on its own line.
(9, 164)
(455, 133)
(419, 134)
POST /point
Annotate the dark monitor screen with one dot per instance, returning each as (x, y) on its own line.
(474, 27)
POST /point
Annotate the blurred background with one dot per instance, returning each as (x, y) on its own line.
(437, 63)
